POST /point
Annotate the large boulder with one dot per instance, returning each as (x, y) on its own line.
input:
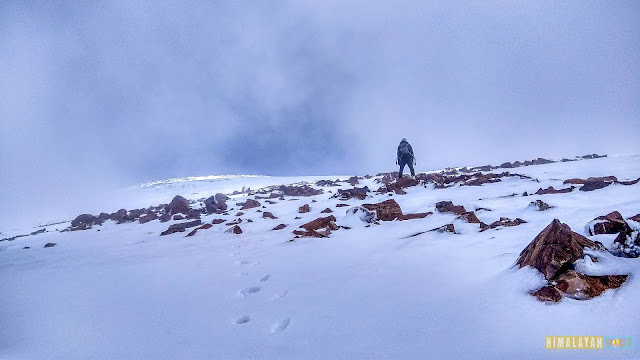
(216, 203)
(612, 223)
(555, 249)
(304, 209)
(178, 205)
(353, 180)
(249, 204)
(387, 210)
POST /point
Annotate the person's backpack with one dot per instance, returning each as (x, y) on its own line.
(404, 149)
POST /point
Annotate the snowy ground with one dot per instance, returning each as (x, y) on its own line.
(124, 292)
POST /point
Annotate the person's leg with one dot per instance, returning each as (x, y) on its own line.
(410, 163)
(402, 164)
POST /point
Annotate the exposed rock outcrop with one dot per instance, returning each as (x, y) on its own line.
(178, 205)
(387, 210)
(346, 194)
(554, 249)
(84, 222)
(216, 203)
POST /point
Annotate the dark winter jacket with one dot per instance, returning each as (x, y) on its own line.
(409, 157)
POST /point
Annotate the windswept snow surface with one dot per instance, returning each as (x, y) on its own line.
(124, 292)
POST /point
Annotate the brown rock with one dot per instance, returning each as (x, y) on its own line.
(552, 190)
(326, 211)
(84, 222)
(402, 183)
(594, 185)
(577, 181)
(304, 209)
(632, 182)
(236, 230)
(319, 223)
(239, 213)
(268, 215)
(312, 233)
(217, 221)
(304, 190)
(353, 180)
(555, 249)
(441, 229)
(635, 218)
(48, 245)
(343, 205)
(249, 204)
(579, 286)
(185, 225)
(548, 293)
(387, 210)
(148, 217)
(178, 217)
(448, 207)
(470, 217)
(165, 217)
(414, 216)
(216, 203)
(203, 227)
(346, 194)
(120, 216)
(178, 205)
(506, 222)
(280, 227)
(171, 231)
(611, 223)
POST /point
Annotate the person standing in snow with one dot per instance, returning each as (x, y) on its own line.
(405, 157)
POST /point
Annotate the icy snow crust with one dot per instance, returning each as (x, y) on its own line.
(125, 292)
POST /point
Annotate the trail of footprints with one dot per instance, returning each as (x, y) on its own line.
(277, 326)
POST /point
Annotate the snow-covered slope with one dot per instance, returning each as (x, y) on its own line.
(124, 292)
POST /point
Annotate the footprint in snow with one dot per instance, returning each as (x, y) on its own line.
(280, 326)
(250, 290)
(265, 278)
(280, 295)
(242, 319)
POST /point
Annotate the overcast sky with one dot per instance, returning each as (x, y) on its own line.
(100, 94)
